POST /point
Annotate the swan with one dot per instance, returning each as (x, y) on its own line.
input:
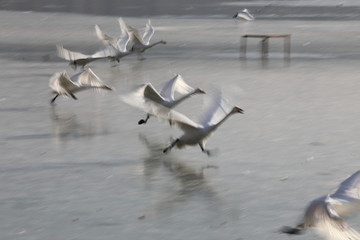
(79, 59)
(326, 214)
(198, 133)
(142, 43)
(146, 94)
(62, 84)
(117, 47)
(244, 14)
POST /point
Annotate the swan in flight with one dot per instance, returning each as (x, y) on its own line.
(141, 42)
(244, 14)
(79, 59)
(326, 214)
(62, 84)
(198, 133)
(146, 94)
(118, 48)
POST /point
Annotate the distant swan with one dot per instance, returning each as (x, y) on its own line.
(146, 93)
(244, 14)
(62, 84)
(198, 133)
(326, 214)
(142, 42)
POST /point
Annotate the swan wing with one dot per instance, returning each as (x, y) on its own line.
(217, 108)
(124, 36)
(61, 83)
(150, 93)
(331, 226)
(69, 55)
(183, 122)
(135, 37)
(176, 84)
(349, 188)
(104, 53)
(87, 78)
(245, 14)
(346, 200)
(148, 33)
(135, 97)
(106, 39)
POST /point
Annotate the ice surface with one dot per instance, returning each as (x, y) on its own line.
(86, 170)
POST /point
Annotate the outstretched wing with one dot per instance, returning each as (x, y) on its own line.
(217, 108)
(245, 14)
(350, 187)
(60, 82)
(184, 123)
(124, 36)
(176, 84)
(134, 97)
(135, 37)
(333, 227)
(148, 33)
(346, 200)
(106, 39)
(153, 95)
(87, 78)
(69, 55)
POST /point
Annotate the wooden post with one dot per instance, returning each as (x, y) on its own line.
(243, 46)
(287, 47)
(265, 45)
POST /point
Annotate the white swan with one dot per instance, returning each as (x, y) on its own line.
(326, 214)
(62, 84)
(144, 95)
(79, 59)
(244, 14)
(198, 133)
(117, 47)
(142, 42)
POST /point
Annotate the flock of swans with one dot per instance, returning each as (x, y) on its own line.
(144, 96)
(325, 214)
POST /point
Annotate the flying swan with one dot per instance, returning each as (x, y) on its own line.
(62, 84)
(244, 14)
(118, 47)
(144, 95)
(198, 133)
(326, 214)
(141, 42)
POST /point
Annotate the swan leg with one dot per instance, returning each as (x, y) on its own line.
(140, 56)
(73, 96)
(293, 230)
(171, 146)
(143, 121)
(204, 150)
(73, 65)
(53, 100)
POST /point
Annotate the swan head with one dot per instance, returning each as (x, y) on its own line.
(200, 91)
(235, 16)
(162, 42)
(237, 110)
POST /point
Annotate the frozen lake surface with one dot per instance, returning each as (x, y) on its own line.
(86, 170)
